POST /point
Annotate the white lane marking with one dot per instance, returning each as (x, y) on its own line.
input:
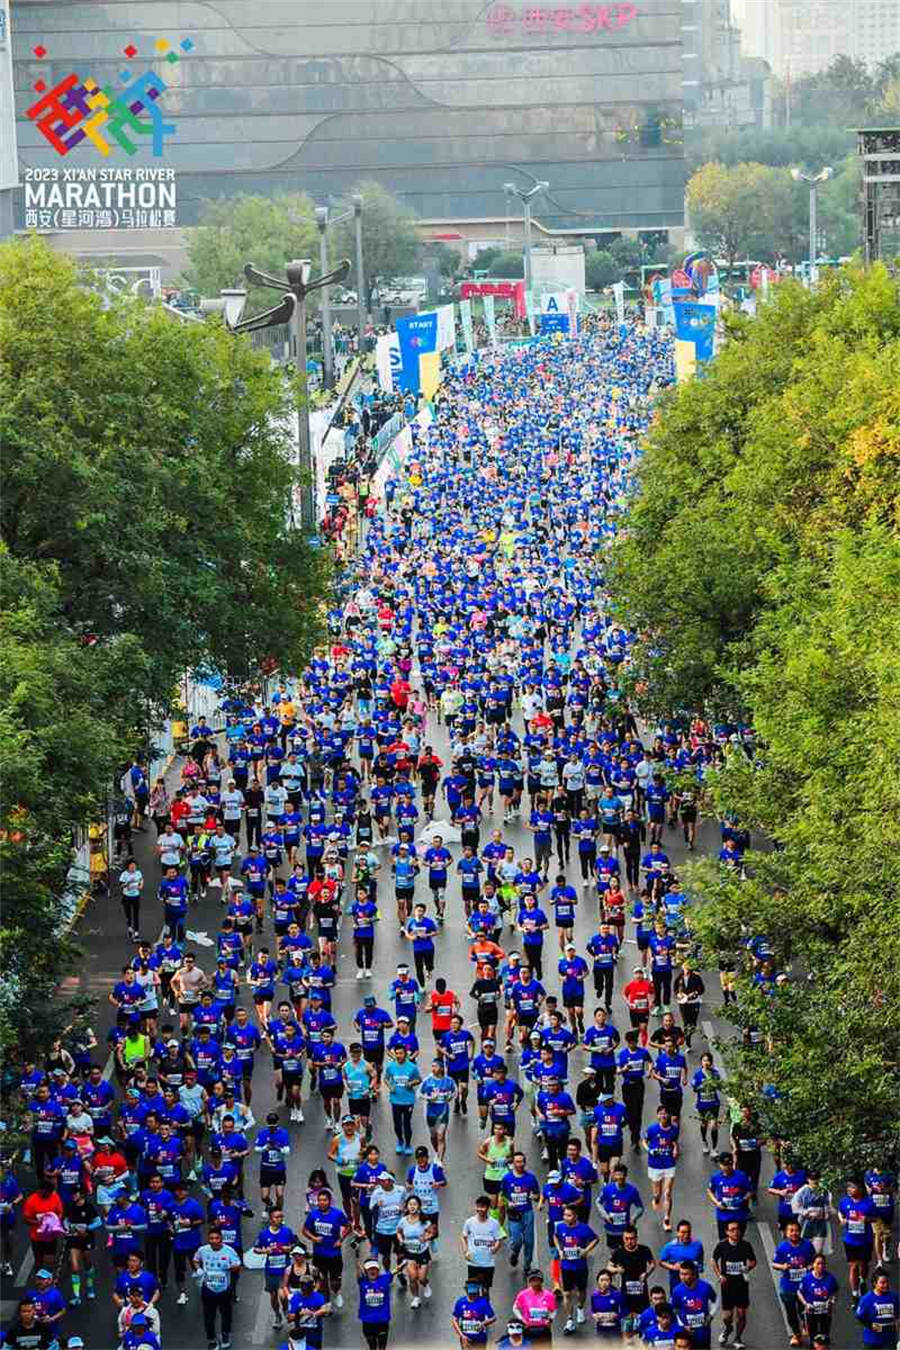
(262, 1326)
(765, 1236)
(25, 1269)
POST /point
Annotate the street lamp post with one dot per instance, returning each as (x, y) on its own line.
(327, 345)
(526, 199)
(291, 310)
(813, 180)
(360, 278)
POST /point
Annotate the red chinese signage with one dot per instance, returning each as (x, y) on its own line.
(507, 21)
(507, 290)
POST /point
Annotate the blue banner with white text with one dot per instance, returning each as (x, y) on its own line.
(418, 337)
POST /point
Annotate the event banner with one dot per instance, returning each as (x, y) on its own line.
(572, 308)
(695, 336)
(387, 362)
(446, 331)
(506, 290)
(555, 313)
(618, 291)
(490, 319)
(465, 314)
(418, 337)
(529, 309)
(662, 294)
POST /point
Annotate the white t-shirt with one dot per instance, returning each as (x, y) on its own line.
(479, 1239)
(132, 883)
(171, 847)
(216, 1266)
(231, 804)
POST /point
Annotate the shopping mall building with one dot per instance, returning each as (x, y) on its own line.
(442, 101)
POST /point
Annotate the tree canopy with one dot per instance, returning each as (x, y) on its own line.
(391, 243)
(146, 529)
(267, 231)
(762, 568)
(758, 211)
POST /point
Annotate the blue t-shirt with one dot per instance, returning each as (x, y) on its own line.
(326, 1225)
(878, 1314)
(798, 1258)
(571, 1241)
(375, 1299)
(473, 1316)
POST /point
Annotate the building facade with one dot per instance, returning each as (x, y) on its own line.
(723, 86)
(801, 37)
(442, 101)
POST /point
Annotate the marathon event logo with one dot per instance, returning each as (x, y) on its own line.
(79, 117)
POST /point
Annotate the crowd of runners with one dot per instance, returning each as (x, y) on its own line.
(471, 684)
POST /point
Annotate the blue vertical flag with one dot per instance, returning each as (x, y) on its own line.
(418, 336)
(697, 324)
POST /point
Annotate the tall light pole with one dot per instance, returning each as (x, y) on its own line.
(813, 180)
(360, 278)
(526, 199)
(291, 309)
(327, 347)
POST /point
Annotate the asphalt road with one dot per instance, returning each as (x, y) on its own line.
(107, 949)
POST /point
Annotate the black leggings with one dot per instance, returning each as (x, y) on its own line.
(424, 963)
(534, 955)
(563, 842)
(376, 1334)
(402, 1116)
(213, 1304)
(364, 951)
(603, 983)
(182, 1266)
(817, 1324)
(556, 1148)
(158, 1256)
(587, 861)
(632, 868)
(131, 904)
(662, 987)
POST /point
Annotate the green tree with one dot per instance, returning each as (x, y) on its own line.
(743, 211)
(762, 568)
(65, 723)
(392, 246)
(509, 266)
(601, 270)
(145, 514)
(171, 475)
(267, 231)
(628, 253)
(447, 259)
(484, 257)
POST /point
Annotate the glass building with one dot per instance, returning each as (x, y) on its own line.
(442, 101)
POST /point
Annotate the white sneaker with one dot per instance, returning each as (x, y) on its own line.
(300, 1116)
(338, 1300)
(579, 1315)
(182, 1299)
(569, 1328)
(427, 1291)
(360, 974)
(415, 1303)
